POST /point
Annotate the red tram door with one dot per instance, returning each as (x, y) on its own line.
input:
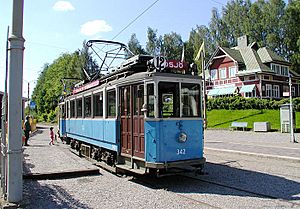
(132, 120)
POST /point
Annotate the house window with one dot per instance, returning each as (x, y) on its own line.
(277, 69)
(232, 72)
(213, 74)
(268, 90)
(276, 92)
(251, 78)
(280, 69)
(273, 68)
(250, 94)
(222, 72)
(293, 91)
(284, 70)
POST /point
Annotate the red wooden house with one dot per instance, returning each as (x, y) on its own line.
(249, 71)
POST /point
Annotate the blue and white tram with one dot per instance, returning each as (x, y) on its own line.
(137, 119)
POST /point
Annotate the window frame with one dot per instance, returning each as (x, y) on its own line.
(221, 70)
(84, 106)
(80, 98)
(276, 91)
(269, 90)
(73, 108)
(108, 115)
(215, 77)
(230, 71)
(100, 93)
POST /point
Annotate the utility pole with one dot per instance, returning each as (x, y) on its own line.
(14, 152)
(292, 137)
(204, 89)
(3, 124)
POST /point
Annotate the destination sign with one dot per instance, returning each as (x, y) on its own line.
(86, 87)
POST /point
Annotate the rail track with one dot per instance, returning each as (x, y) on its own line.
(154, 184)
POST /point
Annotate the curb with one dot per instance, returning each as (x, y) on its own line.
(268, 156)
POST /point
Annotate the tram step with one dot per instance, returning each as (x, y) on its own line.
(141, 171)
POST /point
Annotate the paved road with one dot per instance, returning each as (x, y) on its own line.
(272, 144)
(278, 180)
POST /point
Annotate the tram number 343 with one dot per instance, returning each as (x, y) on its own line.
(180, 152)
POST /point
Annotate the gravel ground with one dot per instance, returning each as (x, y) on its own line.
(271, 177)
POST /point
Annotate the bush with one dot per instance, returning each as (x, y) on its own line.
(241, 103)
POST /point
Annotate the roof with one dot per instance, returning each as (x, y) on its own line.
(252, 61)
(266, 55)
(251, 58)
(234, 54)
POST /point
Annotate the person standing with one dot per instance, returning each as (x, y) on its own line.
(51, 136)
(27, 129)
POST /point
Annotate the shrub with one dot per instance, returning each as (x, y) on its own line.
(241, 103)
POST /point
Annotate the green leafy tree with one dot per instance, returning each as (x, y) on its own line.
(292, 34)
(135, 46)
(154, 43)
(49, 88)
(172, 46)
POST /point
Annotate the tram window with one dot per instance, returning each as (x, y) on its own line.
(98, 104)
(79, 107)
(190, 99)
(111, 103)
(138, 99)
(66, 109)
(88, 106)
(150, 100)
(62, 111)
(72, 109)
(168, 99)
(125, 98)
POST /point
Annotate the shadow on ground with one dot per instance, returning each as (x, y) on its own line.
(48, 196)
(227, 179)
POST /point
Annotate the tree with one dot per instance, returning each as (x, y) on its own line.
(292, 34)
(218, 29)
(154, 43)
(235, 20)
(86, 61)
(135, 46)
(49, 88)
(172, 46)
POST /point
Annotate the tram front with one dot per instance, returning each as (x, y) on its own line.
(173, 122)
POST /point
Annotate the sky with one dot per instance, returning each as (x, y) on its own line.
(52, 27)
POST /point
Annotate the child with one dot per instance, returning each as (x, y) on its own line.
(51, 136)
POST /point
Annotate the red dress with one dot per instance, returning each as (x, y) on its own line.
(51, 137)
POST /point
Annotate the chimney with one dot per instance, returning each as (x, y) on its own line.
(242, 42)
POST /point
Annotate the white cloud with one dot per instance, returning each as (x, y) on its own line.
(63, 6)
(93, 27)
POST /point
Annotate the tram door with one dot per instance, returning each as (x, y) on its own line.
(132, 120)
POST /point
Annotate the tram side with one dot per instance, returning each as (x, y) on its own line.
(144, 122)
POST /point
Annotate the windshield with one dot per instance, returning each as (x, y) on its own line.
(169, 96)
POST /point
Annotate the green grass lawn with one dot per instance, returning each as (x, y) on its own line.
(222, 118)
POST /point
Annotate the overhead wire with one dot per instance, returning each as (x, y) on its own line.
(135, 19)
(218, 2)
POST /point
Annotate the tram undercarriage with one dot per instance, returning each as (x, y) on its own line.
(109, 160)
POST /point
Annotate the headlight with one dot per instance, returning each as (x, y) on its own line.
(182, 137)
